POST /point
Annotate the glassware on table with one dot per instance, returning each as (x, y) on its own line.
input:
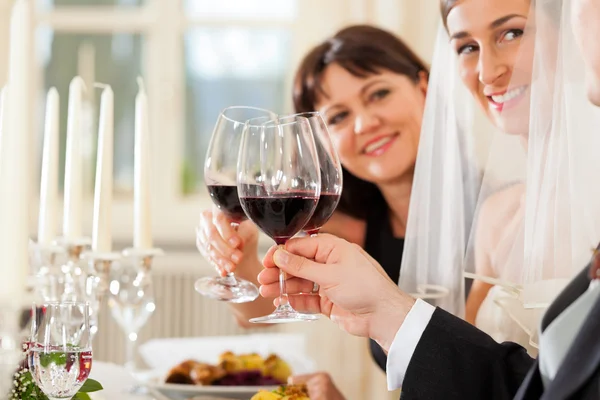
(279, 184)
(60, 348)
(331, 171)
(220, 177)
(131, 300)
(62, 276)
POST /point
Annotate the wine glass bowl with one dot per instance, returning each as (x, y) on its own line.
(131, 300)
(60, 349)
(330, 167)
(279, 185)
(220, 170)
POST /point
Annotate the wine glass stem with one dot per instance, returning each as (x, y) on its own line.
(229, 279)
(283, 296)
(130, 354)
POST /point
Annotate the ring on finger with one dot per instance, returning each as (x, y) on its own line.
(315, 289)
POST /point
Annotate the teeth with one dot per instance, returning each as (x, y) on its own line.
(511, 94)
(380, 143)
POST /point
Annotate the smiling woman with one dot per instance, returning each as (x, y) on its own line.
(493, 45)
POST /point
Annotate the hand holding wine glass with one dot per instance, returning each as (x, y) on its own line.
(279, 185)
(217, 239)
(60, 354)
(225, 246)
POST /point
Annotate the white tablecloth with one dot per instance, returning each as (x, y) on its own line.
(116, 381)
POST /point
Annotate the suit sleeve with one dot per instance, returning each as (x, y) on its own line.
(455, 360)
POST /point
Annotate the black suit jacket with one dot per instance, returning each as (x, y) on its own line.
(455, 360)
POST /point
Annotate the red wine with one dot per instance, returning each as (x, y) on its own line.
(325, 208)
(227, 200)
(280, 217)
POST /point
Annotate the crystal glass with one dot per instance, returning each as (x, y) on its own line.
(64, 277)
(131, 300)
(60, 352)
(279, 184)
(48, 276)
(330, 167)
(220, 177)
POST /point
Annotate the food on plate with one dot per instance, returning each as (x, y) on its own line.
(288, 392)
(277, 368)
(244, 362)
(191, 372)
(232, 370)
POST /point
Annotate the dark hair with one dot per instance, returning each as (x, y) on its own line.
(362, 50)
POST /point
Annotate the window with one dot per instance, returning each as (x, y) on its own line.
(196, 57)
(229, 66)
(114, 59)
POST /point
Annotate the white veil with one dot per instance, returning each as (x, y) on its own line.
(446, 186)
(536, 204)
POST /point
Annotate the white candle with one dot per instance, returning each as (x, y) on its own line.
(16, 158)
(73, 188)
(142, 234)
(47, 223)
(103, 193)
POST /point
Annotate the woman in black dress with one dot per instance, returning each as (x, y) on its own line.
(370, 88)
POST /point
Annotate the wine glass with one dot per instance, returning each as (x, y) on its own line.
(220, 178)
(331, 171)
(131, 301)
(60, 352)
(279, 183)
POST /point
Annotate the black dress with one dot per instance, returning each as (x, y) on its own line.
(381, 244)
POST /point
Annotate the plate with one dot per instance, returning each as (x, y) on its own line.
(175, 391)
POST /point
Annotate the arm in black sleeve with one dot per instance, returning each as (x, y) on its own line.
(455, 360)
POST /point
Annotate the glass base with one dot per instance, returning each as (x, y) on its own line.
(227, 288)
(285, 314)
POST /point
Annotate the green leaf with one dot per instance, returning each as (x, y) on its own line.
(82, 396)
(90, 386)
(58, 358)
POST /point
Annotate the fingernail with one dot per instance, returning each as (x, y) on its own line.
(234, 241)
(236, 257)
(281, 257)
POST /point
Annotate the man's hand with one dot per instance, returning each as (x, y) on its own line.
(355, 292)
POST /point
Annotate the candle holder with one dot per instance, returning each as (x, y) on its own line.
(146, 255)
(46, 261)
(97, 282)
(99, 266)
(72, 277)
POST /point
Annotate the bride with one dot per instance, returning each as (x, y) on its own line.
(529, 227)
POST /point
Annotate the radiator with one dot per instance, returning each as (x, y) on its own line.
(181, 312)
